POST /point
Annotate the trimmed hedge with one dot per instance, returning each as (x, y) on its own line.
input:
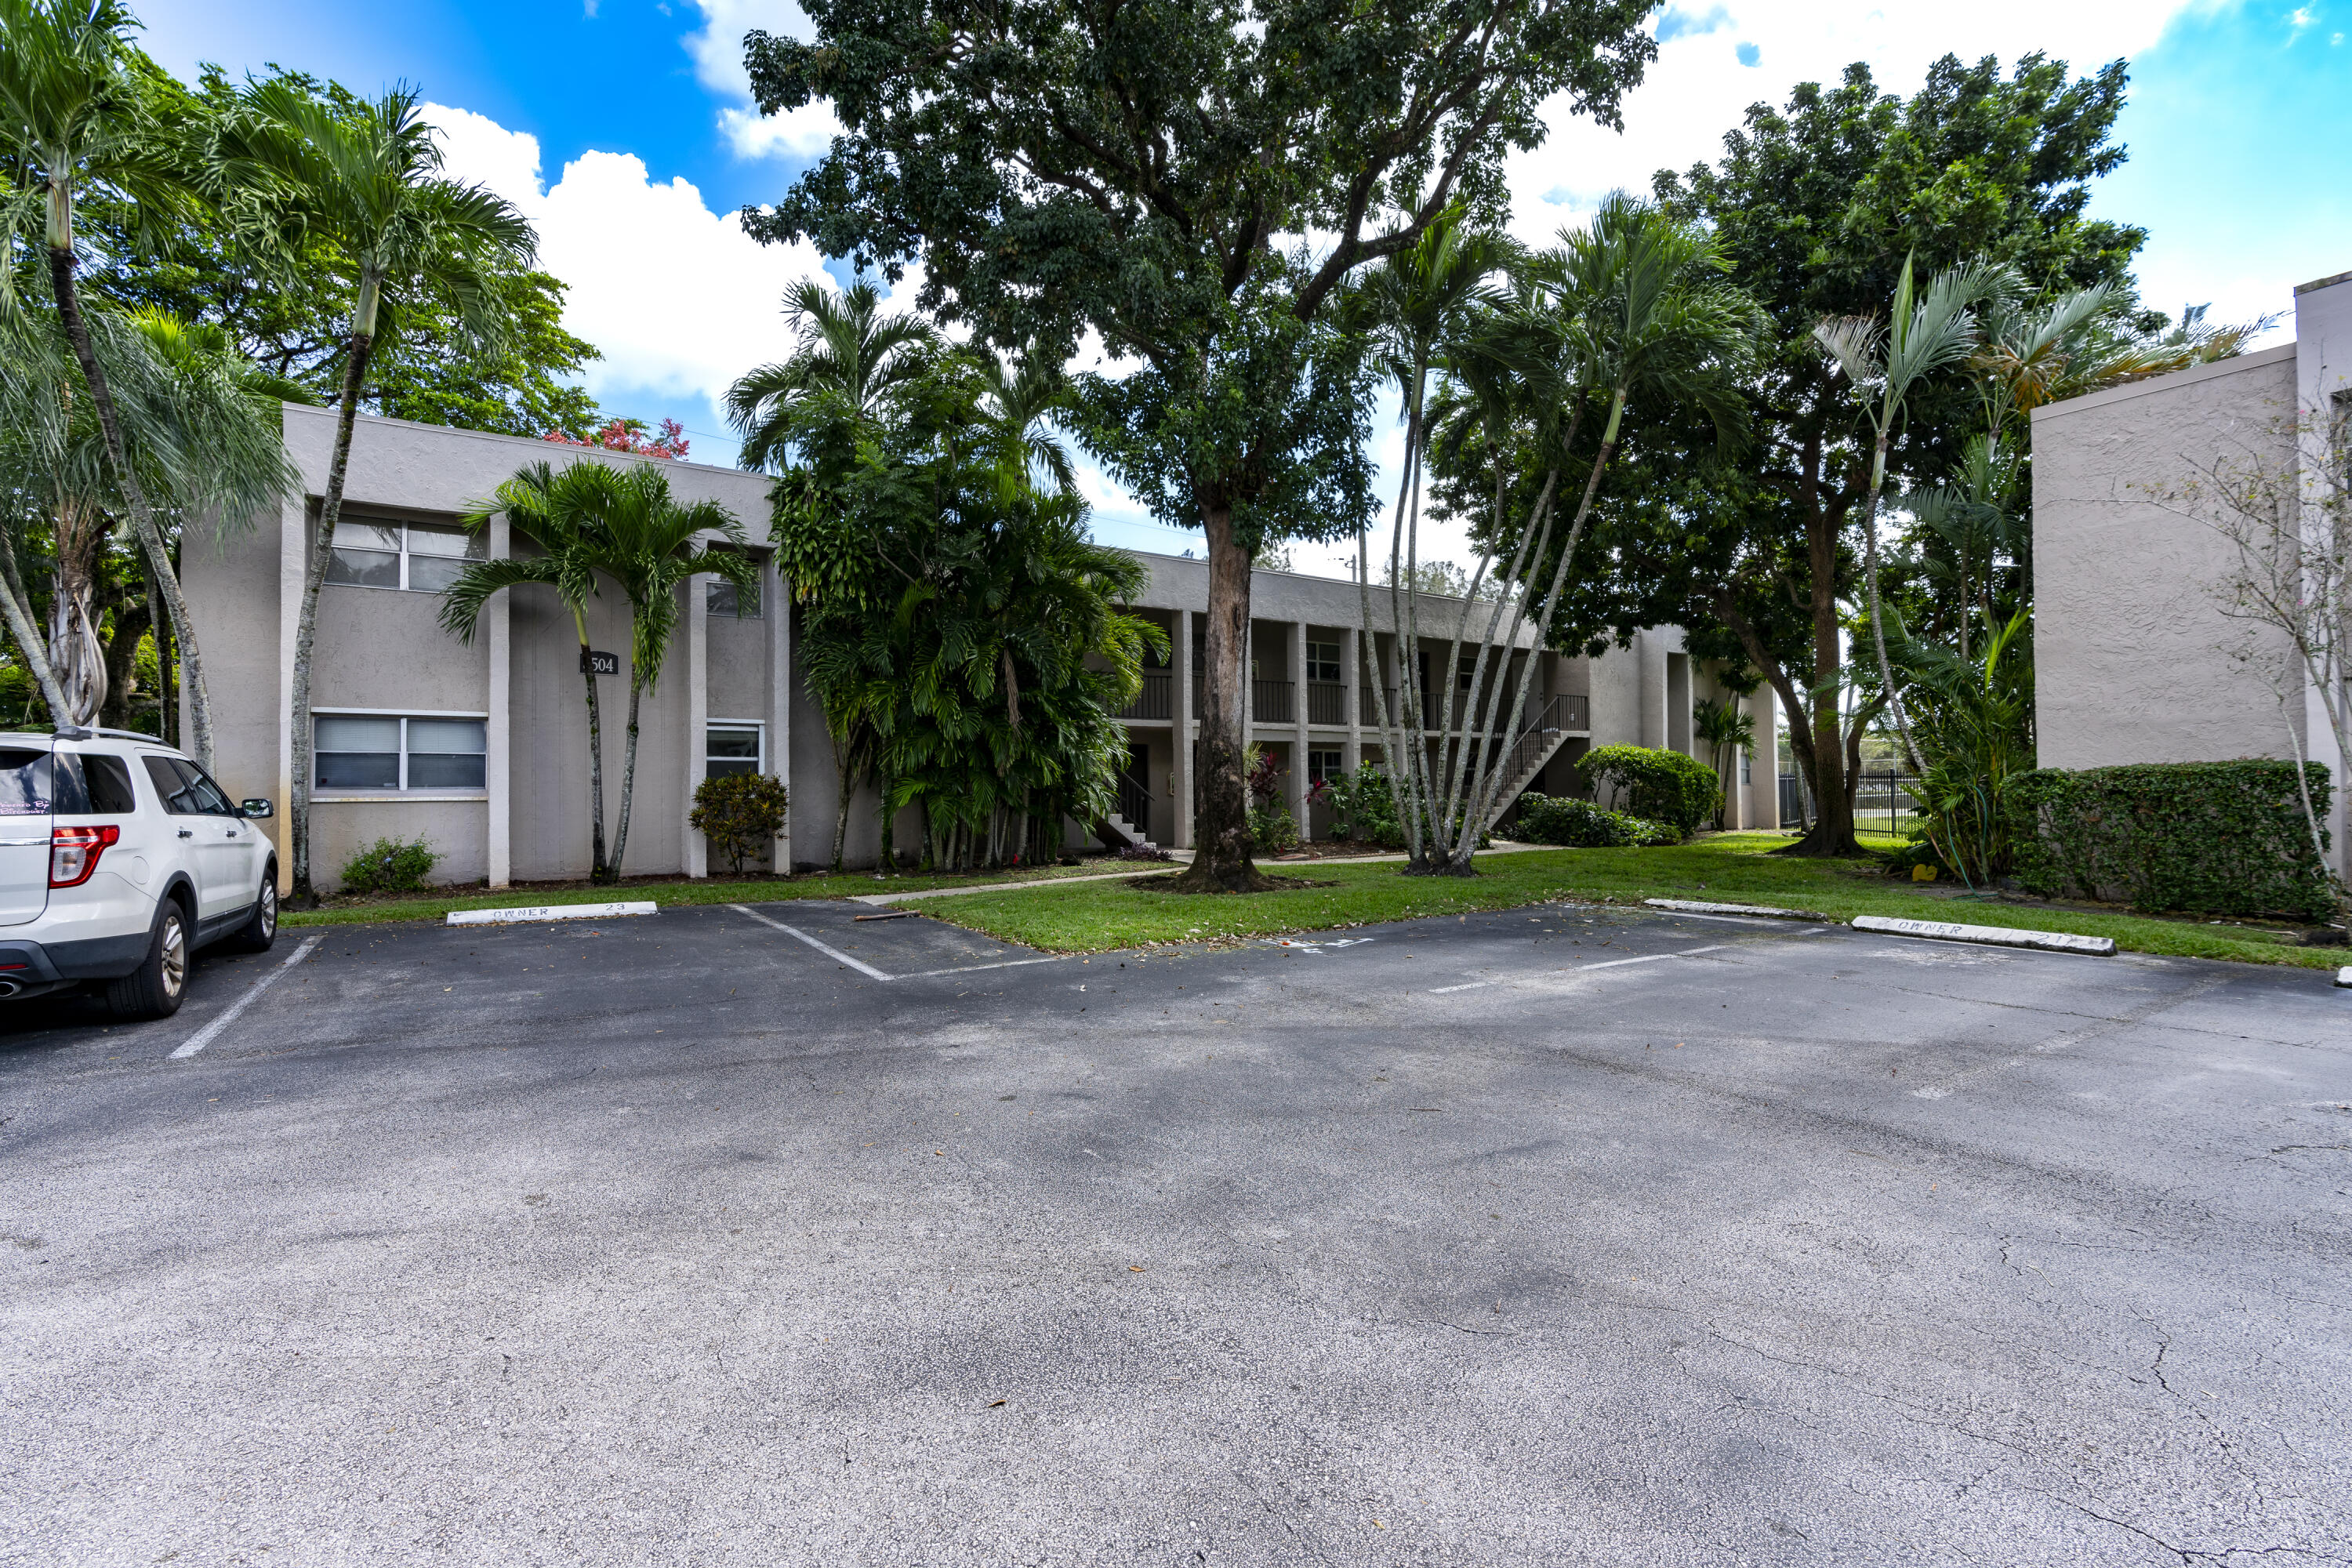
(1663, 786)
(1580, 824)
(2225, 839)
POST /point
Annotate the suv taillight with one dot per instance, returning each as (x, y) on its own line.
(74, 852)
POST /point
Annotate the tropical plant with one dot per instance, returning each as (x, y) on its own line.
(848, 350)
(71, 114)
(1725, 732)
(201, 429)
(1630, 312)
(1926, 331)
(596, 522)
(362, 190)
(1195, 183)
(739, 812)
(1975, 727)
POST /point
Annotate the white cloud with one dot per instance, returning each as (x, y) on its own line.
(718, 53)
(1699, 87)
(680, 298)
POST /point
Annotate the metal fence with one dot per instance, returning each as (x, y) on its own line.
(1882, 798)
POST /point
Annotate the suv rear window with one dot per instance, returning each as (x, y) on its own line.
(25, 789)
(108, 782)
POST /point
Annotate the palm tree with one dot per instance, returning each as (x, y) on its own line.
(848, 350)
(593, 522)
(365, 186)
(1018, 405)
(1927, 333)
(201, 429)
(73, 111)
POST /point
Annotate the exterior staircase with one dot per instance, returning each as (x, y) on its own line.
(1546, 730)
(1124, 828)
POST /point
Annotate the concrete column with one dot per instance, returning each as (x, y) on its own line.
(775, 604)
(293, 547)
(694, 849)
(1298, 711)
(498, 765)
(1352, 696)
(1650, 651)
(1764, 771)
(1181, 765)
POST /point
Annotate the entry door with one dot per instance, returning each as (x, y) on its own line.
(24, 808)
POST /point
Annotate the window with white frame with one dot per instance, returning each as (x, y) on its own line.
(1323, 662)
(734, 748)
(383, 552)
(391, 754)
(726, 599)
(1322, 767)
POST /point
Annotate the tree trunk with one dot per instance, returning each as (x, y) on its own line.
(15, 609)
(843, 769)
(306, 626)
(1220, 857)
(598, 868)
(77, 652)
(628, 782)
(61, 277)
(1832, 830)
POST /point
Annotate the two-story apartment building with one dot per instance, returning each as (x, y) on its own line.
(482, 748)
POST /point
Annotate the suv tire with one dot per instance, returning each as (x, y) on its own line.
(260, 927)
(155, 989)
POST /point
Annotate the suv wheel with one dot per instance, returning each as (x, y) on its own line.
(155, 989)
(260, 927)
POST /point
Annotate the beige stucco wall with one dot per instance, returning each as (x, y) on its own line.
(2129, 645)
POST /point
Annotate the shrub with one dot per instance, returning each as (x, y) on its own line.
(1580, 824)
(1665, 786)
(739, 812)
(2215, 837)
(1272, 831)
(390, 866)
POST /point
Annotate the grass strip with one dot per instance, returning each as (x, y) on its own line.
(1096, 917)
(852, 884)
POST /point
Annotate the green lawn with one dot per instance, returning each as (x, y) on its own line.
(1734, 867)
(765, 890)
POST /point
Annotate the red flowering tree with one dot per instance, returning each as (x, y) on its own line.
(630, 436)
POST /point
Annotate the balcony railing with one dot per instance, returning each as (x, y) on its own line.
(1270, 702)
(1158, 697)
(1326, 703)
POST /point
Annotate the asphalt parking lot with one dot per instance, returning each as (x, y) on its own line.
(1555, 1236)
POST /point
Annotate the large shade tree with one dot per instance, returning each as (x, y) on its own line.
(1819, 207)
(1193, 182)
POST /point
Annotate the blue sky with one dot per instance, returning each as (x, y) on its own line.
(623, 128)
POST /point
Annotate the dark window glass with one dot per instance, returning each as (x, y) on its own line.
(726, 599)
(24, 781)
(1323, 661)
(108, 779)
(359, 753)
(732, 751)
(432, 574)
(1323, 765)
(445, 770)
(65, 777)
(211, 799)
(175, 787)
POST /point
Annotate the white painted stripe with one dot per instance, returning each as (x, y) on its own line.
(1473, 986)
(1747, 921)
(2343, 977)
(1651, 958)
(969, 968)
(211, 1032)
(830, 952)
(538, 912)
(1701, 906)
(1989, 936)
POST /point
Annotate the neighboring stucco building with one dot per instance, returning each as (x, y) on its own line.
(482, 748)
(2134, 658)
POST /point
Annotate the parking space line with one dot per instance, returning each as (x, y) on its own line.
(829, 951)
(968, 968)
(1653, 958)
(211, 1032)
(1473, 986)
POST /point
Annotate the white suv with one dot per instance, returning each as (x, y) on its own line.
(120, 858)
